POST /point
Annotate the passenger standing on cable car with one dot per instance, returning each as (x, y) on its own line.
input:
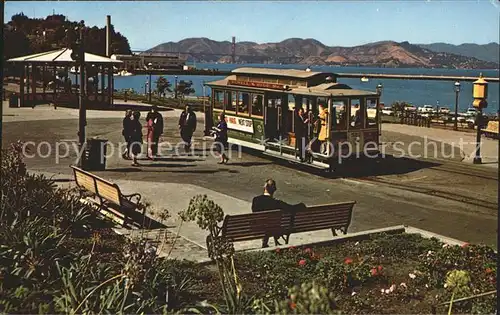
(323, 134)
(301, 132)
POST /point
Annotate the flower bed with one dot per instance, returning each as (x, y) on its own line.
(402, 273)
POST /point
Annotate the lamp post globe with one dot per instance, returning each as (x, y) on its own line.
(379, 88)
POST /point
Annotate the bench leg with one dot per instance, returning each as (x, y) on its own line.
(334, 232)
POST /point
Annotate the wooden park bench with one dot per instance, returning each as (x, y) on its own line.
(277, 223)
(111, 200)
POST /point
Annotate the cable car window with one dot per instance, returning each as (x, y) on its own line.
(218, 99)
(243, 103)
(257, 104)
(356, 114)
(339, 111)
(371, 112)
(231, 101)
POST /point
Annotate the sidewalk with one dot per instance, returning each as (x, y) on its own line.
(175, 198)
(47, 112)
(466, 142)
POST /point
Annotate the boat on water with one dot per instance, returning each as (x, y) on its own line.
(123, 73)
(364, 79)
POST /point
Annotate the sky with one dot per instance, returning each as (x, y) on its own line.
(334, 23)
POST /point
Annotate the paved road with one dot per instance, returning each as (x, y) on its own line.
(450, 198)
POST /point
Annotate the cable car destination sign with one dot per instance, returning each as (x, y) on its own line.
(239, 123)
(262, 85)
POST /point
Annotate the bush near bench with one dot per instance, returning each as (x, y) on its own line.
(57, 256)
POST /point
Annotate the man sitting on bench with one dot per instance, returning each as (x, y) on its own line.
(266, 202)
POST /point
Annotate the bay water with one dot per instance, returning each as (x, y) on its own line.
(416, 92)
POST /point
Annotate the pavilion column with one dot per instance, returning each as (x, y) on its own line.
(21, 85)
(103, 71)
(44, 68)
(54, 85)
(33, 83)
(27, 82)
(110, 85)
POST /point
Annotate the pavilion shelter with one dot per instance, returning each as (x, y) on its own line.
(39, 83)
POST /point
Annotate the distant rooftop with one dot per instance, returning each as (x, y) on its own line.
(293, 73)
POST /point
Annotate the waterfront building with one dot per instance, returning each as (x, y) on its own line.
(158, 60)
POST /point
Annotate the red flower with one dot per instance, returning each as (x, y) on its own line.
(291, 247)
(374, 271)
(347, 261)
(307, 250)
(302, 262)
(293, 305)
(488, 270)
(278, 250)
(379, 268)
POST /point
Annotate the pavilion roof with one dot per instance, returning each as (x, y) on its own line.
(62, 56)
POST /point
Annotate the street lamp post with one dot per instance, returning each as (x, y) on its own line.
(175, 90)
(457, 91)
(379, 92)
(480, 94)
(149, 84)
(146, 84)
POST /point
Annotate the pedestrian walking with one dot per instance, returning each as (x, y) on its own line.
(127, 132)
(187, 126)
(221, 143)
(136, 137)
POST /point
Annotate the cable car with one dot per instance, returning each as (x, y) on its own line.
(261, 107)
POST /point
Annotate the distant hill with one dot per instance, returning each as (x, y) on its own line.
(312, 52)
(488, 52)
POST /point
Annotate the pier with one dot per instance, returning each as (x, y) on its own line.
(216, 72)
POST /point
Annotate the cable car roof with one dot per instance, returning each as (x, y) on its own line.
(326, 89)
(291, 73)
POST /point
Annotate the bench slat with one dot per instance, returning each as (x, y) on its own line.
(85, 181)
(109, 192)
(320, 217)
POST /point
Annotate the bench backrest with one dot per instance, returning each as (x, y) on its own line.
(251, 226)
(108, 191)
(97, 185)
(84, 180)
(313, 218)
(492, 126)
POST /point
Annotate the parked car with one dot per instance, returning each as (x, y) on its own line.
(470, 112)
(444, 110)
(387, 111)
(410, 108)
(426, 109)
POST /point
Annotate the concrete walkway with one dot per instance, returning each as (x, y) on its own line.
(175, 198)
(465, 141)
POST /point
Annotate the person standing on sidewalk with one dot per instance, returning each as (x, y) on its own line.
(136, 137)
(155, 129)
(187, 126)
(126, 132)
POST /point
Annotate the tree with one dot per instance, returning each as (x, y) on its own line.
(163, 85)
(185, 88)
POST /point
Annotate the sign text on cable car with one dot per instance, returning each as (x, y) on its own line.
(263, 85)
(241, 124)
